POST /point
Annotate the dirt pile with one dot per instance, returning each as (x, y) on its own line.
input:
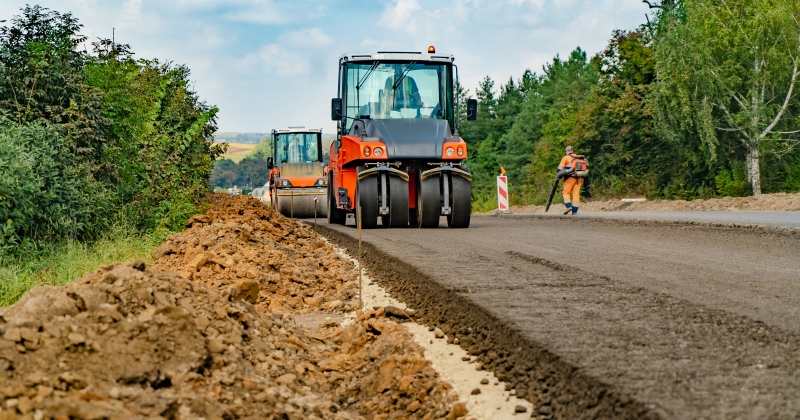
(132, 341)
(138, 341)
(283, 264)
(763, 202)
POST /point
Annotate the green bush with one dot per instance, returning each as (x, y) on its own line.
(45, 194)
(732, 182)
(88, 140)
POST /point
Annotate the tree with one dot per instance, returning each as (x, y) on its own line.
(728, 71)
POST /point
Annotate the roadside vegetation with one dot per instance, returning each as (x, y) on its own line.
(249, 172)
(59, 263)
(100, 153)
(700, 101)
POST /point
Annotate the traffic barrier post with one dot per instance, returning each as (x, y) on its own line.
(502, 195)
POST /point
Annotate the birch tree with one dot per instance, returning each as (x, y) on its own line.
(730, 69)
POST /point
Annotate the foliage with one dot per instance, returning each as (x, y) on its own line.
(651, 111)
(733, 182)
(250, 172)
(263, 148)
(59, 263)
(737, 86)
(46, 194)
(252, 138)
(87, 139)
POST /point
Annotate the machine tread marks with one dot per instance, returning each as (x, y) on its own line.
(367, 198)
(335, 215)
(398, 203)
(460, 202)
(428, 202)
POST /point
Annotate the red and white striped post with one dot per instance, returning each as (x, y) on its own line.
(502, 194)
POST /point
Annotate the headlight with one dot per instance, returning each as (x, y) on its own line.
(449, 151)
(378, 151)
(321, 182)
(460, 150)
(283, 183)
(367, 150)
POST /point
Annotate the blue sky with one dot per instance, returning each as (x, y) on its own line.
(272, 63)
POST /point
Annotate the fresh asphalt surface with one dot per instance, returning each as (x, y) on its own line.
(692, 321)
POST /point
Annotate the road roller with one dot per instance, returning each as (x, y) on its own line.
(397, 157)
(297, 174)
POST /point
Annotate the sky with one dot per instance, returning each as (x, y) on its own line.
(270, 64)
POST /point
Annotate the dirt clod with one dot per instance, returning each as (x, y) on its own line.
(459, 410)
(247, 290)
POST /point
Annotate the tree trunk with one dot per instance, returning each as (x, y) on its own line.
(753, 169)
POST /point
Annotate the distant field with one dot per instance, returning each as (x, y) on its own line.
(237, 151)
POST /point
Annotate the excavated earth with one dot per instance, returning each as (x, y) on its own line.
(242, 242)
(207, 331)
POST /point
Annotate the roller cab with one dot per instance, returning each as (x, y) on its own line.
(396, 156)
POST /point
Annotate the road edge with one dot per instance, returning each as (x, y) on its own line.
(755, 228)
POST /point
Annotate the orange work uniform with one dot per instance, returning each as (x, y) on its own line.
(572, 185)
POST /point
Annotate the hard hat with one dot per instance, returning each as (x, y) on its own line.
(569, 149)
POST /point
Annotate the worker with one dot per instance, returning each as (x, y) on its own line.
(572, 183)
(406, 94)
(409, 92)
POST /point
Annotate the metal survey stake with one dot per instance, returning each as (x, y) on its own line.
(358, 223)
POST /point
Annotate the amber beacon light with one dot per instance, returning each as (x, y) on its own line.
(431, 49)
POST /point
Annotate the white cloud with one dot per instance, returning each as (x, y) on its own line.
(131, 9)
(369, 42)
(307, 38)
(210, 37)
(539, 4)
(260, 11)
(274, 58)
(399, 15)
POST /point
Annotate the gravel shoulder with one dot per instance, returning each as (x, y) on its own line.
(612, 319)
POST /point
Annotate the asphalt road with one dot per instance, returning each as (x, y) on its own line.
(761, 218)
(687, 321)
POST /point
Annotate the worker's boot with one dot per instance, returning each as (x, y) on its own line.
(574, 209)
(569, 207)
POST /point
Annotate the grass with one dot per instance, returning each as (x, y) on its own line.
(237, 151)
(59, 264)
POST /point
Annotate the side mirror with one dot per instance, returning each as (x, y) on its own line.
(472, 109)
(336, 109)
(270, 163)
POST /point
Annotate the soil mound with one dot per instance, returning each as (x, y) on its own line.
(763, 202)
(283, 265)
(140, 341)
(135, 341)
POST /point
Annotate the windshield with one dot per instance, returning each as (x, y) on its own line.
(297, 147)
(383, 90)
